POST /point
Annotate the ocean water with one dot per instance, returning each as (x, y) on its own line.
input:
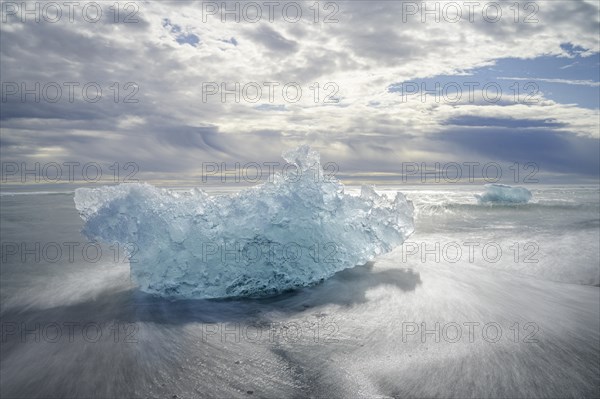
(481, 301)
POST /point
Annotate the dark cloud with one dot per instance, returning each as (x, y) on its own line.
(272, 40)
(554, 151)
(472, 120)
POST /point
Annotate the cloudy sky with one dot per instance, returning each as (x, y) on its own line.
(372, 85)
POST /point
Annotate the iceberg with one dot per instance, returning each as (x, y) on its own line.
(289, 232)
(504, 194)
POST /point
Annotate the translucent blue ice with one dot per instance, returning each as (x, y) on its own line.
(503, 194)
(292, 231)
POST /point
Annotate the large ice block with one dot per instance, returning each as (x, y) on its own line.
(292, 231)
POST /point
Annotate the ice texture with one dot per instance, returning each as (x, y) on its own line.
(294, 230)
(504, 194)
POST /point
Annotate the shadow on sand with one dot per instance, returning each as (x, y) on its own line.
(346, 288)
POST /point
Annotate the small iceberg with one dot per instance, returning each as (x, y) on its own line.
(283, 234)
(504, 194)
